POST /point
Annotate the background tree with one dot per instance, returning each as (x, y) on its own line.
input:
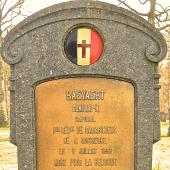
(165, 79)
(159, 16)
(9, 11)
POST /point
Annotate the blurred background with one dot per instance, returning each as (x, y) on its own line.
(157, 12)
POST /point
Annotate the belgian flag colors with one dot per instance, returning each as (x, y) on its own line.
(83, 46)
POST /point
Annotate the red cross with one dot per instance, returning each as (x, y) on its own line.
(84, 46)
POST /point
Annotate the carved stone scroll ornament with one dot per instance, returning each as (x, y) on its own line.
(156, 54)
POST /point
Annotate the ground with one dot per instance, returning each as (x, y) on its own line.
(8, 156)
(161, 152)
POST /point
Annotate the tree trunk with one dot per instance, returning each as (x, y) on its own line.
(2, 101)
(151, 17)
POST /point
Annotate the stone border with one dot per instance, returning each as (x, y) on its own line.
(40, 17)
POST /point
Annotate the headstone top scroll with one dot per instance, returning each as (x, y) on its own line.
(85, 10)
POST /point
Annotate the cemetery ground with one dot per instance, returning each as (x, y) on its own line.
(161, 152)
(8, 155)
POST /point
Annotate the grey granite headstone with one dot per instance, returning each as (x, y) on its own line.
(132, 49)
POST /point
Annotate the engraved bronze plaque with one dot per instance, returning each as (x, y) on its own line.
(85, 124)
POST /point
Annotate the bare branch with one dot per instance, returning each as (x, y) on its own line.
(8, 27)
(3, 6)
(16, 5)
(164, 27)
(163, 12)
(121, 3)
(143, 2)
(163, 20)
(167, 7)
(132, 9)
(161, 6)
(19, 13)
(14, 16)
(157, 21)
(163, 15)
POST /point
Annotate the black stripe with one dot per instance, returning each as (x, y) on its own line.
(71, 46)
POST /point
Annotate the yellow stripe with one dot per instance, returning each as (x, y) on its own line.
(83, 34)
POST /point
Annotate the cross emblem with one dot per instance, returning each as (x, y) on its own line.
(84, 46)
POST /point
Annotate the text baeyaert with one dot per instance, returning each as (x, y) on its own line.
(85, 95)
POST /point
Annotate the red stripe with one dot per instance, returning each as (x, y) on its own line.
(96, 47)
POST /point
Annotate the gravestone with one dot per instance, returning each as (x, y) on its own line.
(84, 88)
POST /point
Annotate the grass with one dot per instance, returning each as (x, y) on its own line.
(164, 123)
(164, 129)
(4, 128)
(4, 137)
(8, 156)
(161, 152)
